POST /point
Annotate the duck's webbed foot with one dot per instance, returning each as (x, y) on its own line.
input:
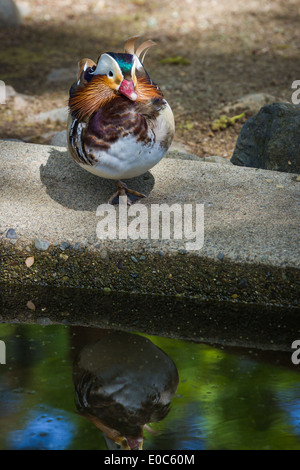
(123, 190)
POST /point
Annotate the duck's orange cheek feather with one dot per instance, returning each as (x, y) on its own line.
(89, 99)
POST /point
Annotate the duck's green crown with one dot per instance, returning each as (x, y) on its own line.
(125, 61)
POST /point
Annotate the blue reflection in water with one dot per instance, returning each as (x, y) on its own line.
(292, 410)
(43, 431)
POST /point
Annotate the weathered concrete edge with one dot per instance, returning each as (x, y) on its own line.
(179, 275)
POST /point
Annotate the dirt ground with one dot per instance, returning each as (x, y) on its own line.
(226, 49)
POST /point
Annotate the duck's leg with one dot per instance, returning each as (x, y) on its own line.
(123, 190)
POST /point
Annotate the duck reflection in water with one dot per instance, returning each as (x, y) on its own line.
(122, 383)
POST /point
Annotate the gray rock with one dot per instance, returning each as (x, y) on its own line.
(20, 102)
(9, 14)
(43, 321)
(181, 156)
(215, 159)
(10, 92)
(62, 75)
(24, 8)
(11, 234)
(59, 139)
(58, 114)
(271, 139)
(243, 283)
(250, 104)
(64, 245)
(41, 245)
(180, 147)
(152, 22)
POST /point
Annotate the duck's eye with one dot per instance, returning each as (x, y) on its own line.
(110, 73)
(89, 73)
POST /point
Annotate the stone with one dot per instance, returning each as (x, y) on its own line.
(176, 155)
(41, 245)
(59, 139)
(271, 139)
(10, 92)
(215, 159)
(250, 104)
(152, 22)
(11, 234)
(64, 245)
(62, 75)
(24, 8)
(20, 102)
(106, 290)
(43, 321)
(243, 283)
(103, 254)
(177, 146)
(9, 14)
(57, 114)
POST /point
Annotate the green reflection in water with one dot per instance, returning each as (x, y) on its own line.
(224, 400)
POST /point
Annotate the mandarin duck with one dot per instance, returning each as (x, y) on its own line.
(120, 124)
(122, 383)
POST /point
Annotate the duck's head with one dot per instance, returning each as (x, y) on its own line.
(113, 75)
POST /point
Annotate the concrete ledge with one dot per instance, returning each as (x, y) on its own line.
(251, 243)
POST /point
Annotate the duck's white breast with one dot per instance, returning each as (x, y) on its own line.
(126, 158)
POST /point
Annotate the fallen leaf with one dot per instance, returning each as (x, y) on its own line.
(30, 305)
(29, 261)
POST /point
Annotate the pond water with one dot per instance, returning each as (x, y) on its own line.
(68, 387)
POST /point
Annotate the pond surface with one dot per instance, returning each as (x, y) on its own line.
(67, 387)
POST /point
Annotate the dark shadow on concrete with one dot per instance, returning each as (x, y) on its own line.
(75, 188)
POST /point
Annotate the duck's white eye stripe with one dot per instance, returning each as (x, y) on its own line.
(85, 66)
(106, 64)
